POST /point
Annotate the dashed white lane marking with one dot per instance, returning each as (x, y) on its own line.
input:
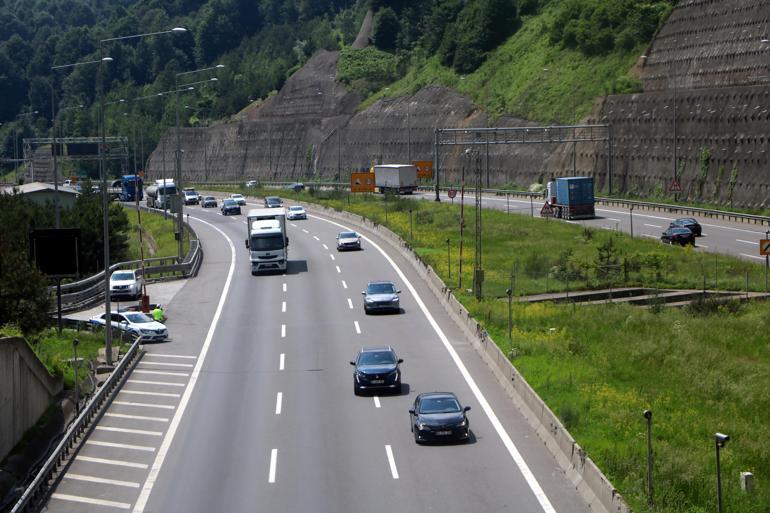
(101, 480)
(305, 230)
(331, 256)
(130, 447)
(358, 328)
(283, 331)
(350, 303)
(88, 500)
(131, 431)
(135, 417)
(338, 269)
(278, 403)
(283, 307)
(157, 394)
(325, 246)
(391, 462)
(653, 225)
(159, 355)
(162, 373)
(284, 287)
(115, 463)
(753, 256)
(748, 242)
(316, 238)
(281, 361)
(292, 224)
(166, 364)
(144, 405)
(273, 464)
(164, 383)
(344, 285)
(376, 401)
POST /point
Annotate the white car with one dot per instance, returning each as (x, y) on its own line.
(348, 240)
(239, 199)
(126, 283)
(251, 183)
(296, 212)
(135, 323)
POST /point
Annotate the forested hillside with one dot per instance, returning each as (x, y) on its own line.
(260, 43)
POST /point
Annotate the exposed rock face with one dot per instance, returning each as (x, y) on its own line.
(708, 56)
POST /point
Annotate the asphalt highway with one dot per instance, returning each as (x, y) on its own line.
(250, 406)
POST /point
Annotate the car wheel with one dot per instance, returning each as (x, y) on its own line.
(356, 388)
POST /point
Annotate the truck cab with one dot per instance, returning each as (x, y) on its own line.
(267, 241)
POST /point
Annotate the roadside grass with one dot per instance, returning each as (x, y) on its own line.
(701, 369)
(157, 235)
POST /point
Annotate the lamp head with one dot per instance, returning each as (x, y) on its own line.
(75, 342)
(508, 292)
(178, 30)
(219, 66)
(647, 414)
(107, 59)
(721, 439)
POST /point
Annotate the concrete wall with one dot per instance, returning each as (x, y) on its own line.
(26, 391)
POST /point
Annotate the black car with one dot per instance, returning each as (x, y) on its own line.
(439, 416)
(687, 222)
(230, 206)
(273, 202)
(381, 296)
(209, 201)
(376, 368)
(296, 186)
(677, 235)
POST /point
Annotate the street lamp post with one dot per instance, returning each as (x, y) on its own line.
(448, 261)
(103, 171)
(75, 343)
(720, 440)
(15, 146)
(648, 416)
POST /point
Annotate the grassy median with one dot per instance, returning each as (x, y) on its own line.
(157, 235)
(700, 369)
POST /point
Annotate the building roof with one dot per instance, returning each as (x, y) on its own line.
(29, 188)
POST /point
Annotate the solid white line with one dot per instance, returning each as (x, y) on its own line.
(101, 480)
(273, 463)
(701, 246)
(166, 364)
(284, 287)
(144, 495)
(358, 328)
(344, 285)
(650, 236)
(332, 256)
(131, 447)
(278, 403)
(572, 222)
(391, 462)
(159, 355)
(350, 303)
(144, 405)
(281, 361)
(652, 225)
(534, 485)
(316, 238)
(132, 431)
(283, 331)
(338, 269)
(135, 417)
(116, 463)
(162, 373)
(612, 219)
(753, 256)
(88, 500)
(325, 246)
(164, 383)
(748, 242)
(283, 307)
(376, 401)
(159, 394)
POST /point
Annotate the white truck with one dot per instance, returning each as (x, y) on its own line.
(395, 178)
(160, 193)
(267, 242)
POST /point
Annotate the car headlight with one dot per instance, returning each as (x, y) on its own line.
(369, 300)
(422, 425)
(463, 424)
(393, 373)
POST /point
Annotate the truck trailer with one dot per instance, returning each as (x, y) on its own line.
(395, 178)
(569, 198)
(160, 193)
(267, 242)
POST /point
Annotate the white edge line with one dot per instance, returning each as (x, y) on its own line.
(752, 256)
(152, 477)
(391, 462)
(273, 464)
(534, 485)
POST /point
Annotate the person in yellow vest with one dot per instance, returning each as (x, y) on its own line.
(157, 314)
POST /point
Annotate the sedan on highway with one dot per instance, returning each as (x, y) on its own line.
(209, 201)
(229, 206)
(687, 222)
(678, 235)
(273, 202)
(296, 212)
(438, 416)
(135, 323)
(126, 283)
(376, 368)
(239, 199)
(348, 240)
(381, 296)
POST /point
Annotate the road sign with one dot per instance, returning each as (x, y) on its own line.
(764, 247)
(361, 182)
(451, 193)
(675, 186)
(424, 168)
(547, 210)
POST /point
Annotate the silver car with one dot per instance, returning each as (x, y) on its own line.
(381, 296)
(348, 240)
(126, 283)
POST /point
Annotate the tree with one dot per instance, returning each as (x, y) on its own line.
(385, 29)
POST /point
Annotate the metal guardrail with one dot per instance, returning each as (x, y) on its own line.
(52, 470)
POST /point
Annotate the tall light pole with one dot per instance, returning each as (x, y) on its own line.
(648, 416)
(720, 440)
(15, 149)
(178, 156)
(105, 203)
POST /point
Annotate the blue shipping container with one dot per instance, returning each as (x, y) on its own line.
(575, 190)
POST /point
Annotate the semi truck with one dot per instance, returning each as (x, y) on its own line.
(569, 198)
(395, 178)
(131, 187)
(160, 193)
(267, 242)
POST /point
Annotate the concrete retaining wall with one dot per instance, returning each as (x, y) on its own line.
(26, 391)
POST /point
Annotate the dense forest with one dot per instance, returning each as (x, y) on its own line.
(260, 43)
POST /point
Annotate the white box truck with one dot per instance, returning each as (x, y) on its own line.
(395, 178)
(267, 242)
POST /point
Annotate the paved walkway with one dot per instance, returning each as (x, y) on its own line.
(161, 292)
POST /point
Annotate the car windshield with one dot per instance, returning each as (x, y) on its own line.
(680, 231)
(123, 276)
(191, 193)
(295, 209)
(138, 318)
(380, 288)
(273, 200)
(271, 242)
(376, 358)
(348, 235)
(439, 405)
(229, 202)
(209, 198)
(236, 196)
